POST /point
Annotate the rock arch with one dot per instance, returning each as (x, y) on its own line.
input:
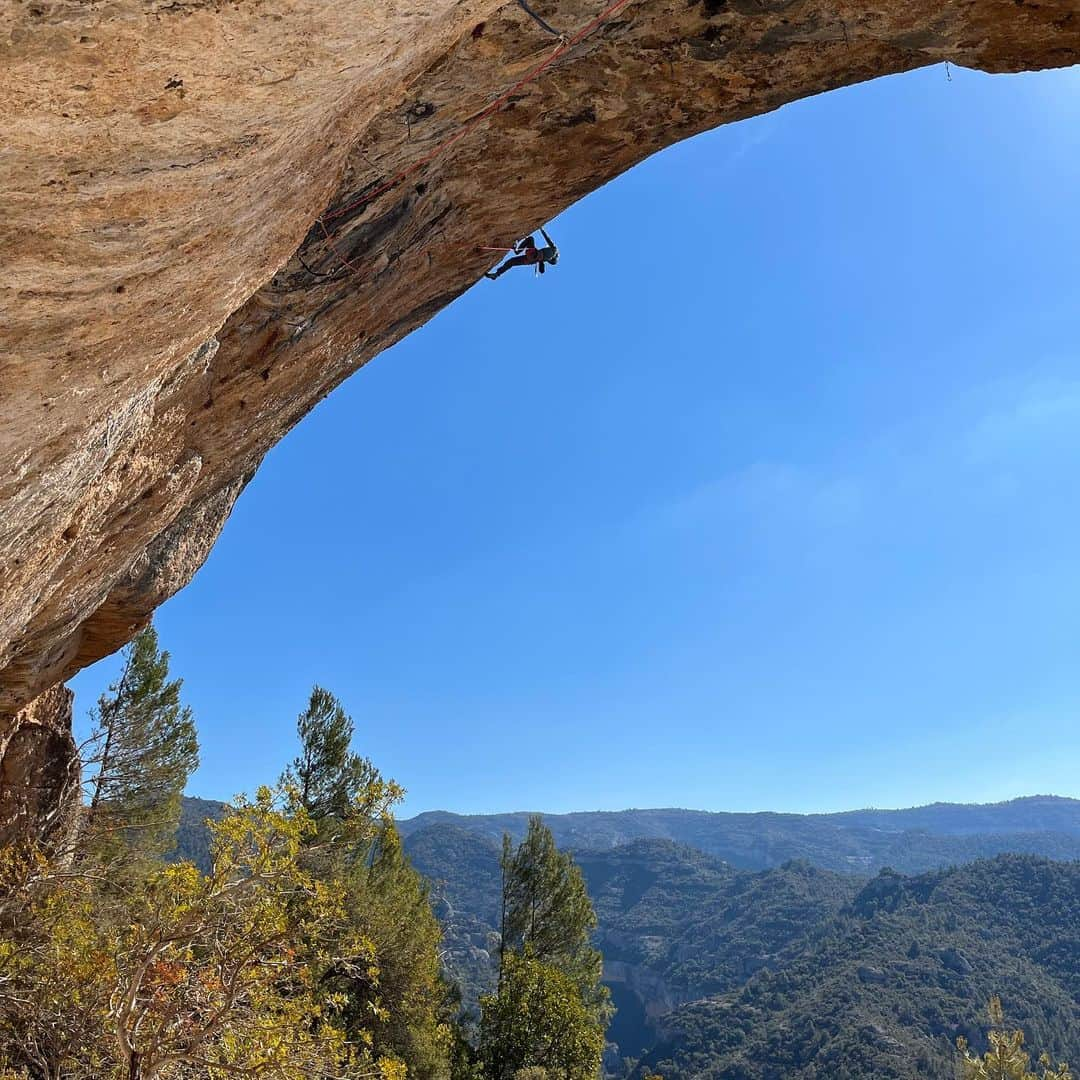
(172, 304)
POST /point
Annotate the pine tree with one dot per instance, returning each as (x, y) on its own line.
(546, 910)
(405, 1014)
(142, 750)
(550, 1010)
(331, 781)
(355, 847)
(1006, 1059)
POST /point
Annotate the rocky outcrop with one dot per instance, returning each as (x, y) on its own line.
(869, 974)
(39, 773)
(956, 961)
(189, 267)
(656, 995)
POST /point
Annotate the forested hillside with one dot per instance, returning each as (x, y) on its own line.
(860, 841)
(884, 988)
(718, 968)
(675, 924)
(797, 970)
(463, 871)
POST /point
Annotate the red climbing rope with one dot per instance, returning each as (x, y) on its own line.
(333, 248)
(470, 125)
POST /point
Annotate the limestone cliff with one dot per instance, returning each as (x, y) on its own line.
(39, 772)
(190, 263)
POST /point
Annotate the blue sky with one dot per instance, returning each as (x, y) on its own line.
(764, 498)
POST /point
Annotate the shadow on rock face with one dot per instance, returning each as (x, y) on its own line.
(39, 774)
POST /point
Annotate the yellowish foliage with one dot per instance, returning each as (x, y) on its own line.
(189, 974)
(1006, 1059)
(389, 1069)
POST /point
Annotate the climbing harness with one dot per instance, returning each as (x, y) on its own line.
(540, 266)
(527, 254)
(564, 46)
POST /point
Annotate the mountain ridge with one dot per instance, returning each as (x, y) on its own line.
(699, 952)
(1063, 801)
(912, 839)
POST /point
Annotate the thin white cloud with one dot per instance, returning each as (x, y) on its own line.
(983, 450)
(765, 496)
(1028, 417)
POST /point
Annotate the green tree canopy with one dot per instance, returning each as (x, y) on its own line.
(307, 948)
(538, 1020)
(142, 750)
(181, 974)
(331, 780)
(546, 910)
(549, 1011)
(405, 1013)
(355, 847)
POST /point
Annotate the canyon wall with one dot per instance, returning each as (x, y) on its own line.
(217, 210)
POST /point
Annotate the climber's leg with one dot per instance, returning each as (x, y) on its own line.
(518, 260)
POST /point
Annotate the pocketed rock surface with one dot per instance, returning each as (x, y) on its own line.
(188, 268)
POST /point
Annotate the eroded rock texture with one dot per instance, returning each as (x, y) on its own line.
(39, 773)
(172, 304)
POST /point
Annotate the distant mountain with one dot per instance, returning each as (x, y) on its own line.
(759, 968)
(192, 837)
(855, 841)
(883, 988)
(466, 883)
(859, 841)
(795, 971)
(1031, 814)
(675, 924)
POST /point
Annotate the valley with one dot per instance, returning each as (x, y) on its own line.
(776, 945)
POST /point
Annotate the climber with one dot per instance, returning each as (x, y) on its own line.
(528, 254)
